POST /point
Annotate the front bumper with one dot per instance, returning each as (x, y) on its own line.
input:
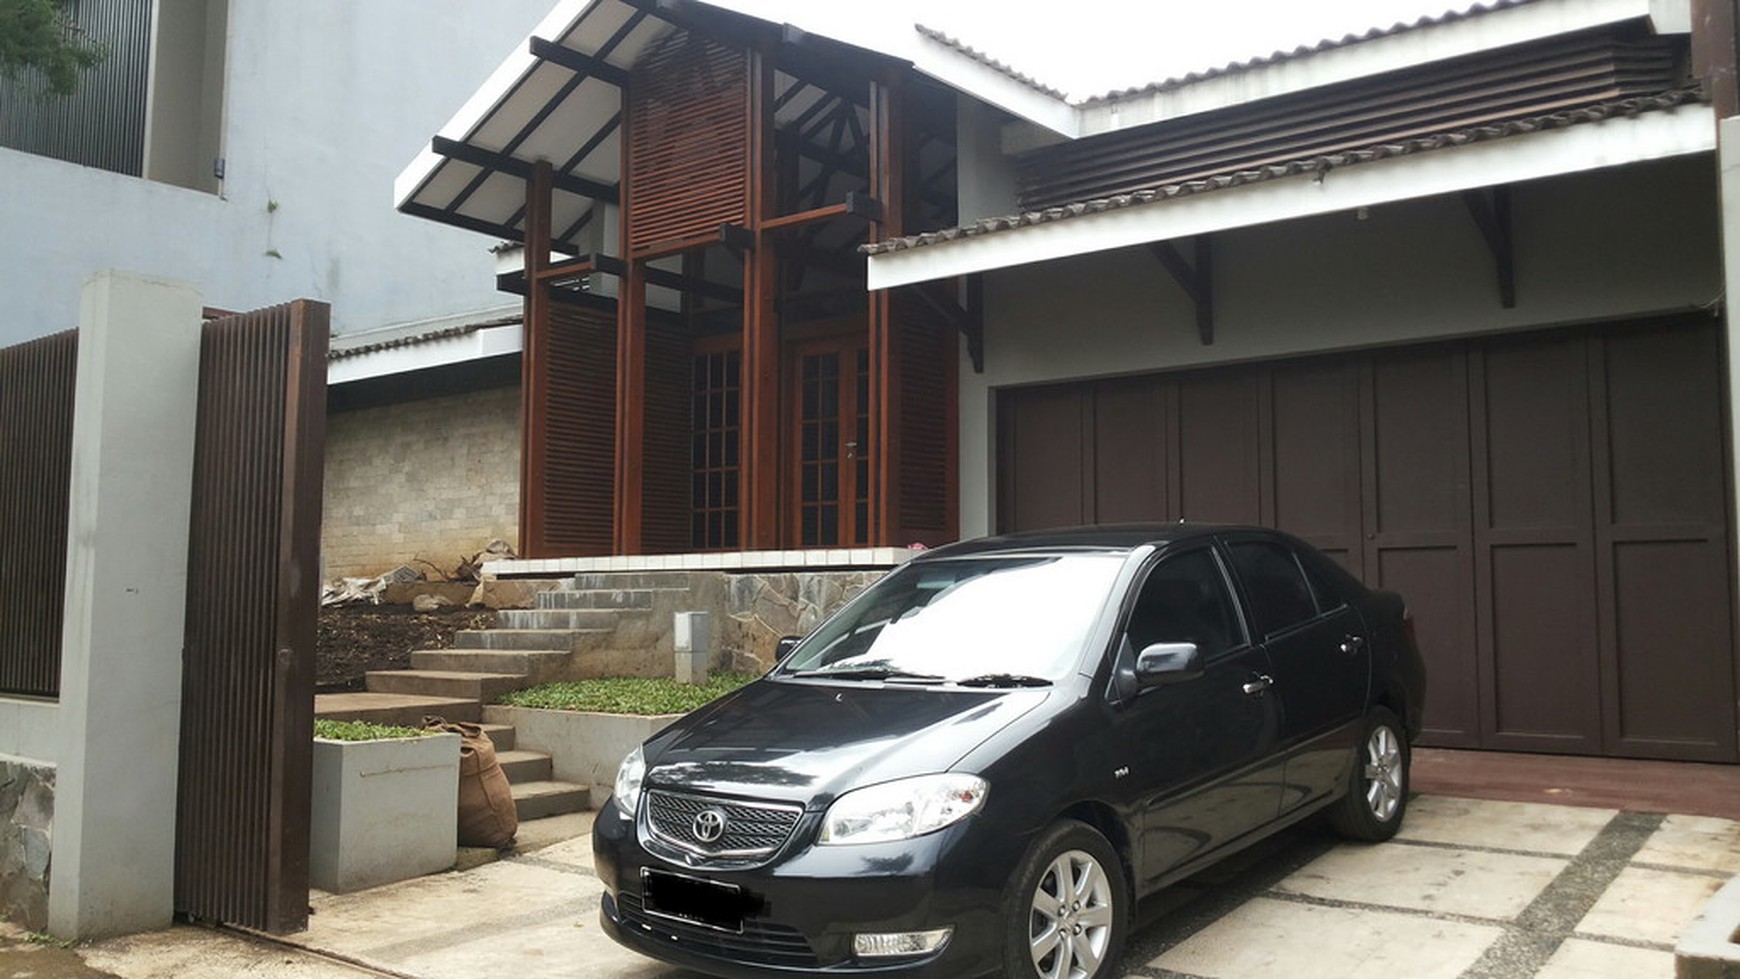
(811, 900)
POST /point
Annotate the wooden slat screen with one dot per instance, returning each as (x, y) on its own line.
(926, 351)
(253, 592)
(688, 151)
(577, 426)
(665, 491)
(1510, 83)
(37, 382)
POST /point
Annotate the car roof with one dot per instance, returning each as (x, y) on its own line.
(1109, 538)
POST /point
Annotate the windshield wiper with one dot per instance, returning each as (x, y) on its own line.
(869, 673)
(1003, 680)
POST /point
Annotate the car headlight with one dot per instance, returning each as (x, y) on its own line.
(628, 779)
(902, 809)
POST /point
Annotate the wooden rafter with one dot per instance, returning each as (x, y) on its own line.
(578, 63)
(514, 167)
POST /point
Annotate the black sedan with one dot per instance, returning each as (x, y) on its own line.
(979, 764)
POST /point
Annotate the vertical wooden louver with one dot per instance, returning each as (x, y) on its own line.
(665, 491)
(925, 399)
(37, 383)
(253, 588)
(688, 151)
(577, 436)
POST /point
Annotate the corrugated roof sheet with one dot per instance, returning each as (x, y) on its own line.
(345, 353)
(974, 54)
(1315, 164)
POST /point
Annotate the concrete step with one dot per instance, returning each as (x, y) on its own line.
(502, 735)
(485, 687)
(535, 800)
(406, 710)
(562, 640)
(628, 581)
(524, 766)
(639, 599)
(534, 664)
(562, 618)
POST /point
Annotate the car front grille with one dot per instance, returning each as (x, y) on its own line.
(760, 943)
(751, 829)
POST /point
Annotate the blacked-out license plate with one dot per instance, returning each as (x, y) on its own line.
(704, 902)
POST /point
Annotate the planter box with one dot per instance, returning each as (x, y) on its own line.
(1710, 948)
(383, 810)
(584, 747)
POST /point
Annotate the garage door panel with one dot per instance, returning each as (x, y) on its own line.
(1674, 699)
(1544, 669)
(1218, 459)
(1428, 577)
(1130, 451)
(1535, 468)
(1043, 452)
(1419, 419)
(1315, 420)
(1664, 398)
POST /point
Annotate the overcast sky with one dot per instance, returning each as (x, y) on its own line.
(1089, 47)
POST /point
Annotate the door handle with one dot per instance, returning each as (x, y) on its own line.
(1259, 683)
(1352, 644)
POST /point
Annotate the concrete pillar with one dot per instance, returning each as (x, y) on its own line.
(1728, 192)
(126, 586)
(693, 641)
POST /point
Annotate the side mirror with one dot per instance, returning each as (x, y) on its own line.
(1168, 662)
(783, 648)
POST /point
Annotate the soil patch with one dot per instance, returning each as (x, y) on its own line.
(354, 639)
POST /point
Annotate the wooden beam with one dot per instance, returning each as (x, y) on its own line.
(534, 383)
(515, 167)
(887, 152)
(578, 63)
(1492, 215)
(1196, 279)
(761, 470)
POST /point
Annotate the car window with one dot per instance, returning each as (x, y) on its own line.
(1320, 574)
(1185, 600)
(1275, 586)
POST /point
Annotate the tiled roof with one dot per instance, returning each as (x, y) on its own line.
(345, 353)
(1308, 49)
(1314, 164)
(985, 59)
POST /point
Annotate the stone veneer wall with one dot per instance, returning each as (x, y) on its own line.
(26, 820)
(435, 479)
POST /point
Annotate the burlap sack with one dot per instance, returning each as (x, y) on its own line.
(486, 803)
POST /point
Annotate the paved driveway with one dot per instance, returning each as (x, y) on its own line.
(1470, 889)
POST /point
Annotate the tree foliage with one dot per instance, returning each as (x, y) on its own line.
(37, 39)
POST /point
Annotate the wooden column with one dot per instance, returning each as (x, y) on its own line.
(887, 151)
(534, 381)
(760, 473)
(630, 364)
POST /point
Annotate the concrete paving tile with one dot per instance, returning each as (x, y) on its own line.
(1267, 937)
(1581, 959)
(568, 947)
(1543, 829)
(185, 952)
(1469, 882)
(430, 908)
(575, 853)
(1695, 843)
(1648, 905)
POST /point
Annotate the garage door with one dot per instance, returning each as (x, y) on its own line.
(1553, 506)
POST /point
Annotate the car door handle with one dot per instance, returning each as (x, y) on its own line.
(1259, 683)
(1352, 644)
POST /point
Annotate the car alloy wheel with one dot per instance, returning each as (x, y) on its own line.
(1070, 931)
(1383, 773)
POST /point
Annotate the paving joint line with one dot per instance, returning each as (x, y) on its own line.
(1293, 897)
(1476, 848)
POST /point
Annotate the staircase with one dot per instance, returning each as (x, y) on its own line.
(596, 618)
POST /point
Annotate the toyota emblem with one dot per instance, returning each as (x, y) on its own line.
(709, 825)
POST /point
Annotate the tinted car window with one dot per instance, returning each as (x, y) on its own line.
(1278, 594)
(1185, 600)
(1320, 573)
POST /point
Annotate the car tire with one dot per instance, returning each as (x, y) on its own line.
(1377, 792)
(1070, 867)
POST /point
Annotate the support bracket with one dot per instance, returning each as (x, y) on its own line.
(1492, 215)
(1196, 279)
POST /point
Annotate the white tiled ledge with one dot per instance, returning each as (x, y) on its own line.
(819, 558)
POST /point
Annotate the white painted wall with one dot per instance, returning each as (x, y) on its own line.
(1597, 246)
(325, 102)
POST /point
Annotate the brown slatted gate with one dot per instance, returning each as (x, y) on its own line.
(36, 417)
(253, 588)
(569, 439)
(924, 410)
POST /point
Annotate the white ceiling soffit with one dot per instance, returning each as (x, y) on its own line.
(1590, 146)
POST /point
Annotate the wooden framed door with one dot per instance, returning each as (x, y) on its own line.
(829, 412)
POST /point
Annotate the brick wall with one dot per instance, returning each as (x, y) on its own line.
(433, 479)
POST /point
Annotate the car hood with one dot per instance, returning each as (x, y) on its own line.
(810, 742)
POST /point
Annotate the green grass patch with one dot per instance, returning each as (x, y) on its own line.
(361, 730)
(627, 694)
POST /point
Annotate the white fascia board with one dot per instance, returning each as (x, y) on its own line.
(1363, 59)
(993, 87)
(1671, 16)
(492, 93)
(1590, 146)
(491, 341)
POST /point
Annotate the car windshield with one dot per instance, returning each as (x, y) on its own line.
(990, 621)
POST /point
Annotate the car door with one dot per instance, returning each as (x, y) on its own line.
(1202, 750)
(1318, 655)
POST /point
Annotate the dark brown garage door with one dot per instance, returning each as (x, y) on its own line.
(1554, 507)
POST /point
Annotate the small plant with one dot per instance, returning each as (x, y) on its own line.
(39, 938)
(627, 695)
(361, 730)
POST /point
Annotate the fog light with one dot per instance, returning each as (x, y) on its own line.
(877, 944)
